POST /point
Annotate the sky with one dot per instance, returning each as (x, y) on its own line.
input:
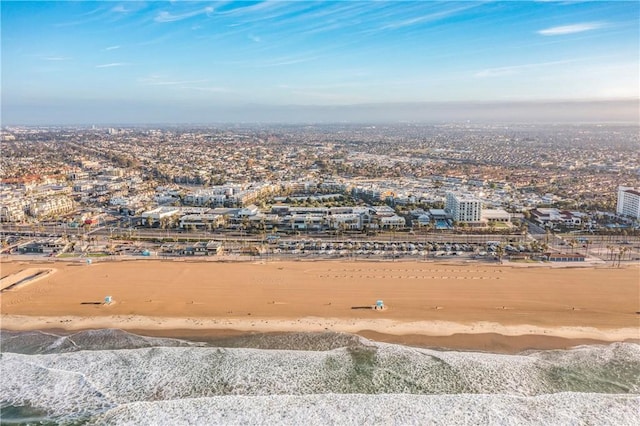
(184, 61)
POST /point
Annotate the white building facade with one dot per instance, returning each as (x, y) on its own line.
(463, 207)
(628, 202)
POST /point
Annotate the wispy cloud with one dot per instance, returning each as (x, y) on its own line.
(112, 48)
(212, 89)
(120, 9)
(514, 69)
(571, 29)
(112, 64)
(55, 58)
(286, 61)
(158, 80)
(431, 17)
(168, 17)
(255, 38)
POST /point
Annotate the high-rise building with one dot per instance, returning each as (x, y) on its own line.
(628, 202)
(464, 207)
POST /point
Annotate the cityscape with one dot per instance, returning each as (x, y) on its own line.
(294, 190)
(301, 212)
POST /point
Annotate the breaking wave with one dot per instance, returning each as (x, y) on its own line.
(114, 377)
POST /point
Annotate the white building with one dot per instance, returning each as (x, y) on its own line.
(628, 202)
(50, 206)
(464, 207)
(496, 215)
(394, 221)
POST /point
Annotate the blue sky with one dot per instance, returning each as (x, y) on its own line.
(78, 58)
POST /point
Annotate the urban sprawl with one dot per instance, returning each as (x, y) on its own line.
(523, 193)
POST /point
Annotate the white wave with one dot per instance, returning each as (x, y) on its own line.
(89, 382)
(38, 342)
(400, 409)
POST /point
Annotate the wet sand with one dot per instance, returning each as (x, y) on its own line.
(462, 306)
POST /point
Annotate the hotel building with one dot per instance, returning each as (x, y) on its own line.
(628, 202)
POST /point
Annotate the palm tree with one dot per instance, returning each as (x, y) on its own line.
(611, 249)
(621, 253)
(500, 252)
(573, 243)
(429, 227)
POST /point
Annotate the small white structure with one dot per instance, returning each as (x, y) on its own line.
(379, 305)
(107, 300)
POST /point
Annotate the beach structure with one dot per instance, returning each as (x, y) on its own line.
(88, 261)
(107, 300)
(379, 305)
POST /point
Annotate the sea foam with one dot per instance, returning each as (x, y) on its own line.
(80, 382)
(402, 409)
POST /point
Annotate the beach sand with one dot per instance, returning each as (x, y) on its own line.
(468, 305)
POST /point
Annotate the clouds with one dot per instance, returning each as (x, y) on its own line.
(316, 52)
(514, 69)
(160, 80)
(112, 64)
(431, 17)
(571, 29)
(168, 17)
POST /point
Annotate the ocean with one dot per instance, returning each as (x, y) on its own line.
(109, 376)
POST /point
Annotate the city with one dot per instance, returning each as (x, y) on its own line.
(371, 191)
(303, 212)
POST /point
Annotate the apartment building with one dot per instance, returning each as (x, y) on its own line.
(50, 206)
(628, 202)
(463, 207)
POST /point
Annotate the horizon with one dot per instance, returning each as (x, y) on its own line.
(615, 112)
(301, 61)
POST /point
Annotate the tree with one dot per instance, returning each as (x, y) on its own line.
(500, 253)
(611, 249)
(621, 252)
(573, 243)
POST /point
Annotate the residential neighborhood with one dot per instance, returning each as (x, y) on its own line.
(250, 190)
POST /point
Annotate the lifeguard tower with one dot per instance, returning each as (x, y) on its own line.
(379, 305)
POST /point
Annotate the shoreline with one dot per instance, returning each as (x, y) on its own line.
(477, 337)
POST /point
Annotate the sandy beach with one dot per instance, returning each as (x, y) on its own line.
(426, 303)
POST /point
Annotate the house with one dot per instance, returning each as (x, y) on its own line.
(495, 215)
(199, 248)
(564, 257)
(47, 245)
(546, 216)
(214, 248)
(392, 221)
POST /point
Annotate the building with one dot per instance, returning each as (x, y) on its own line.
(50, 206)
(463, 207)
(628, 202)
(553, 216)
(496, 215)
(564, 257)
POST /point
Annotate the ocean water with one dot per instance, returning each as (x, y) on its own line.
(114, 377)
